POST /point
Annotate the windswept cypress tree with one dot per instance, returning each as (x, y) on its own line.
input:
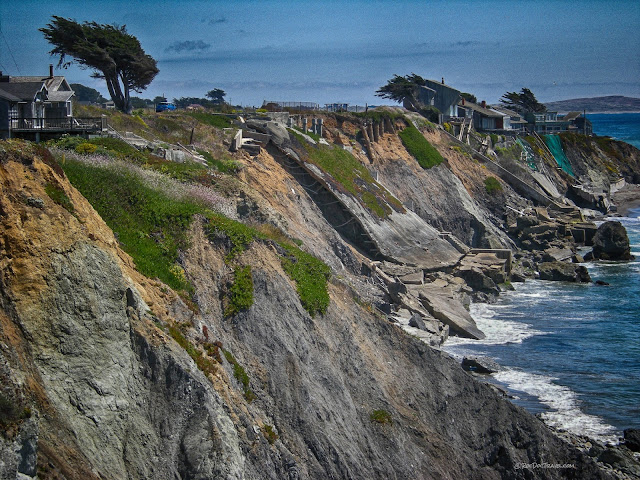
(112, 53)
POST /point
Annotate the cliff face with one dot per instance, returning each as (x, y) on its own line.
(107, 374)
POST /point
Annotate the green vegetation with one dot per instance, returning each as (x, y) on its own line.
(150, 226)
(224, 165)
(494, 138)
(418, 146)
(217, 121)
(309, 133)
(241, 292)
(512, 152)
(239, 234)
(353, 177)
(56, 194)
(241, 376)
(492, 185)
(86, 148)
(380, 416)
(311, 276)
(203, 363)
(269, 434)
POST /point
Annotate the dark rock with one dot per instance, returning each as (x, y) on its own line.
(526, 221)
(395, 290)
(601, 282)
(416, 322)
(611, 242)
(620, 459)
(480, 365)
(35, 202)
(563, 272)
(517, 276)
(632, 439)
(477, 280)
(577, 258)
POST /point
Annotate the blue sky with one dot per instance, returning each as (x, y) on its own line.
(342, 51)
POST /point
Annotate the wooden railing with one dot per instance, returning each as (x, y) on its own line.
(66, 124)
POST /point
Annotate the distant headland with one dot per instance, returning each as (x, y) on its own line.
(608, 104)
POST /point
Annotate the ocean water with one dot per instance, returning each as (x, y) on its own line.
(570, 352)
(621, 126)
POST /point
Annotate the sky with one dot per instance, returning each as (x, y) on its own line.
(343, 51)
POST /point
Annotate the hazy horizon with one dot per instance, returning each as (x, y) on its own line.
(329, 52)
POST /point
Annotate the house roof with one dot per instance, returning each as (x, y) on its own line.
(24, 91)
(571, 116)
(487, 112)
(61, 96)
(8, 96)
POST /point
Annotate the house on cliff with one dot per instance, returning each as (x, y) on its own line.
(32, 106)
(441, 96)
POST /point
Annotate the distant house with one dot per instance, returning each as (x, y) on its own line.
(547, 122)
(514, 123)
(441, 96)
(30, 106)
(484, 117)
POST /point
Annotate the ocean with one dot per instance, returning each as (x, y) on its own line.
(621, 126)
(571, 352)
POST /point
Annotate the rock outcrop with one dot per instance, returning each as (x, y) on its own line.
(611, 242)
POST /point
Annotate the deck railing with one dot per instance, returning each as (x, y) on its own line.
(66, 124)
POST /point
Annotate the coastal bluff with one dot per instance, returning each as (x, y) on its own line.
(290, 323)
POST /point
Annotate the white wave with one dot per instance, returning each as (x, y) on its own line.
(563, 403)
(497, 330)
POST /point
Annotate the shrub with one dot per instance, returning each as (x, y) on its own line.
(241, 292)
(419, 147)
(240, 375)
(380, 416)
(57, 194)
(269, 434)
(203, 363)
(492, 185)
(311, 276)
(86, 148)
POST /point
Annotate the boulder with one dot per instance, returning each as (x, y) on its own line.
(416, 321)
(477, 280)
(563, 272)
(632, 439)
(611, 242)
(480, 365)
(451, 312)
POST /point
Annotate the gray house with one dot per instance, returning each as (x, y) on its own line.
(29, 105)
(441, 96)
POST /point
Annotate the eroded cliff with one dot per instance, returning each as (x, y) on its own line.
(108, 374)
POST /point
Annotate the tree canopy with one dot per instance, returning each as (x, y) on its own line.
(113, 54)
(87, 94)
(400, 88)
(523, 102)
(216, 96)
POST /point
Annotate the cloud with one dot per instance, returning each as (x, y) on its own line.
(188, 46)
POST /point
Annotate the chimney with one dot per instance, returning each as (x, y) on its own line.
(463, 101)
(443, 80)
(51, 70)
(484, 104)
